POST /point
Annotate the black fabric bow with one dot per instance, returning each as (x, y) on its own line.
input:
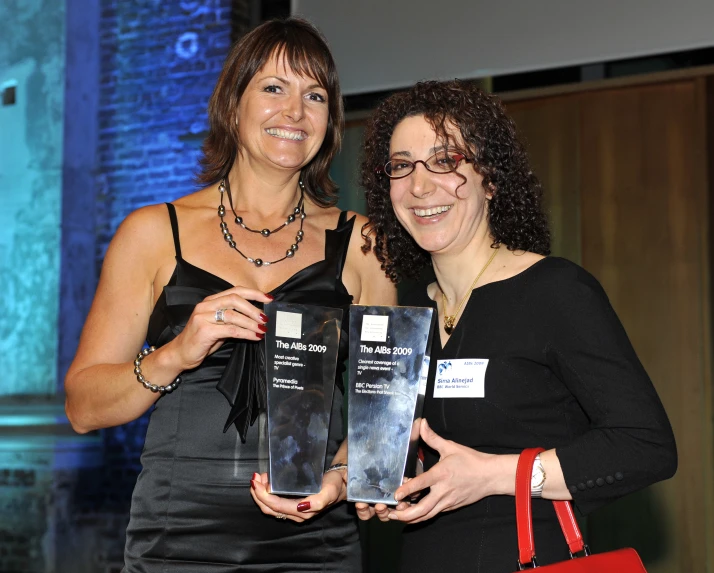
(243, 385)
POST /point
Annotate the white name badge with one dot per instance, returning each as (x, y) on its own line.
(460, 378)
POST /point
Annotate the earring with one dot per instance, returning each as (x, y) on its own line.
(490, 190)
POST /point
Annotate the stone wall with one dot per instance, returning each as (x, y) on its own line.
(31, 61)
(159, 63)
(137, 87)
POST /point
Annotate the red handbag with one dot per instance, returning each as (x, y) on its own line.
(621, 561)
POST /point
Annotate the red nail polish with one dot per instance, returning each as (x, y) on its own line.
(255, 476)
(263, 317)
(270, 296)
(303, 506)
(263, 327)
(252, 484)
(260, 335)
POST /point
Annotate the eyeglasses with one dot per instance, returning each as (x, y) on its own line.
(441, 162)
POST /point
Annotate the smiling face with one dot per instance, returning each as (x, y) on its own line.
(443, 212)
(282, 117)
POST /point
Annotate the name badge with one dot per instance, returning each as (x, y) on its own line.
(460, 378)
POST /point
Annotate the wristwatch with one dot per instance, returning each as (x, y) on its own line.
(537, 478)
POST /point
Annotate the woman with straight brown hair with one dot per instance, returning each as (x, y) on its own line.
(264, 228)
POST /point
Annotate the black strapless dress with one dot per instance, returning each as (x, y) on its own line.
(191, 509)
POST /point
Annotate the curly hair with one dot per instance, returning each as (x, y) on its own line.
(515, 215)
(304, 50)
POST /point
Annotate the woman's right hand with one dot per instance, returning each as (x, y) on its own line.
(202, 335)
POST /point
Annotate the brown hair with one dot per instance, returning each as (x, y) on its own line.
(305, 51)
(515, 214)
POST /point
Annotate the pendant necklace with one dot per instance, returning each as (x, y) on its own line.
(298, 211)
(450, 320)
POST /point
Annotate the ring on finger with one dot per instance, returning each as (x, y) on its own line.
(220, 316)
(281, 516)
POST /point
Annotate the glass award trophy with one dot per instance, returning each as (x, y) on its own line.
(388, 369)
(301, 347)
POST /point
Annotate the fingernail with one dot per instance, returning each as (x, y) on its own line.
(263, 327)
(303, 506)
(252, 484)
(260, 335)
(270, 296)
(255, 476)
(263, 317)
(392, 516)
(398, 496)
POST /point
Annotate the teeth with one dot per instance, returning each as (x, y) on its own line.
(284, 134)
(431, 211)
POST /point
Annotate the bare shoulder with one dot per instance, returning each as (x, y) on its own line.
(123, 299)
(143, 244)
(147, 226)
(146, 230)
(359, 229)
(364, 270)
(360, 226)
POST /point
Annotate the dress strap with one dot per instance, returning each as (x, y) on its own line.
(174, 228)
(338, 243)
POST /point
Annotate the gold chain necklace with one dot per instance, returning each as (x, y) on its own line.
(450, 320)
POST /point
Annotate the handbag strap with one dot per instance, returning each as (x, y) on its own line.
(524, 515)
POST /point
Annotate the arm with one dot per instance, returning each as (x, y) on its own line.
(363, 275)
(629, 443)
(462, 476)
(101, 390)
(101, 387)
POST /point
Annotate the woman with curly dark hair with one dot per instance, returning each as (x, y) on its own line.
(529, 354)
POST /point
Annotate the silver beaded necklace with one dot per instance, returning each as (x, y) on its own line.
(223, 187)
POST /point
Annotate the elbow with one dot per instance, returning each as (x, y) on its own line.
(671, 460)
(662, 455)
(74, 420)
(74, 413)
(668, 448)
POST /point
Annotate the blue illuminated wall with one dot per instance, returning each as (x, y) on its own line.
(110, 114)
(156, 65)
(31, 133)
(138, 129)
(159, 63)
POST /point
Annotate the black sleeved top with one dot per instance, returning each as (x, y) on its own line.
(561, 374)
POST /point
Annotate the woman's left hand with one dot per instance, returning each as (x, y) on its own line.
(462, 476)
(298, 510)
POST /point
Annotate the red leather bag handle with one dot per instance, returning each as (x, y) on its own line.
(524, 515)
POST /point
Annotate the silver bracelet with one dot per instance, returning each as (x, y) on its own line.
(336, 467)
(148, 385)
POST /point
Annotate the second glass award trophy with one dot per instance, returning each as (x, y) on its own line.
(389, 365)
(300, 358)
